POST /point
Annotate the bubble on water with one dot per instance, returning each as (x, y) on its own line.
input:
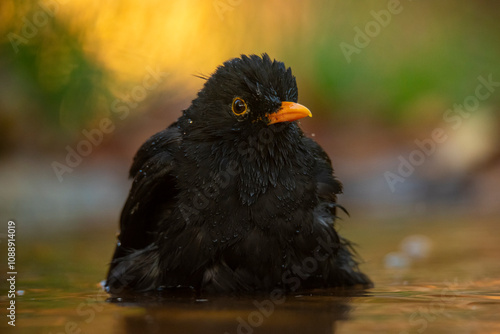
(396, 260)
(416, 246)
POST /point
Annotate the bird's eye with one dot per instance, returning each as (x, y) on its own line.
(239, 106)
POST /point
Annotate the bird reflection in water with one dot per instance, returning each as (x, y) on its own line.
(316, 312)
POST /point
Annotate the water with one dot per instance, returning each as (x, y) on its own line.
(449, 283)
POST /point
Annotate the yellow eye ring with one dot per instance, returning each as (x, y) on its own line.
(239, 106)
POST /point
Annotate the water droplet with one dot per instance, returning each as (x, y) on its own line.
(134, 209)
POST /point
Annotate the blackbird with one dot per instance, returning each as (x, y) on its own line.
(233, 197)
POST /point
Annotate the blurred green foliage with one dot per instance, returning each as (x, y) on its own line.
(54, 73)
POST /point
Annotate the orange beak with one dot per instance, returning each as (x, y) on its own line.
(289, 111)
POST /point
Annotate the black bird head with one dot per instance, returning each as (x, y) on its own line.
(245, 93)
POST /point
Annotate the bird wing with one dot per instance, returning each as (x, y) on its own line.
(342, 269)
(153, 192)
(327, 185)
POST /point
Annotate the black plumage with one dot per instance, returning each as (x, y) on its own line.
(233, 197)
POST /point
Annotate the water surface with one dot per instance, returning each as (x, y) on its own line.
(439, 276)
